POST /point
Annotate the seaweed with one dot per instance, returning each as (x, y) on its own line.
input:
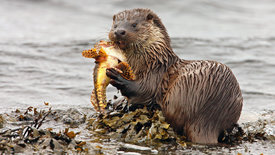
(30, 136)
(134, 124)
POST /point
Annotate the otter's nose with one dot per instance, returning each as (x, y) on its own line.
(120, 33)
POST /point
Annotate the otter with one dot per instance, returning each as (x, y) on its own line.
(198, 98)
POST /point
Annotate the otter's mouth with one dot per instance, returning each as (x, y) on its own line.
(121, 44)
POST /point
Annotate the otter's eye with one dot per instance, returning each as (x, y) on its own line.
(134, 25)
(115, 26)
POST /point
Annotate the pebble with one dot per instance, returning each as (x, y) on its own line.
(73, 117)
(128, 153)
(136, 147)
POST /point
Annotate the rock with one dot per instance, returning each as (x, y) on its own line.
(127, 153)
(73, 118)
(18, 149)
(131, 147)
(71, 146)
(136, 147)
(57, 145)
(35, 133)
(46, 143)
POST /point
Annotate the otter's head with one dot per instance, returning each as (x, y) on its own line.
(138, 27)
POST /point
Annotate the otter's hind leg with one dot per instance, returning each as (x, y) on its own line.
(202, 105)
(181, 108)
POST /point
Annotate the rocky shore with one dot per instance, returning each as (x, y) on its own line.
(123, 129)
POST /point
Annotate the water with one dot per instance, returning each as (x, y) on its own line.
(41, 43)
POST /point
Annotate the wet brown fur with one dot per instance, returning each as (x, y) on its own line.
(198, 98)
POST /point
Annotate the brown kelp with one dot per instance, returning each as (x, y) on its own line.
(134, 123)
(29, 131)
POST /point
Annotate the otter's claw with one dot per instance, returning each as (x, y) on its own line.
(116, 79)
(126, 87)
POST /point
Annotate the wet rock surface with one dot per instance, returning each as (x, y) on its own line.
(124, 129)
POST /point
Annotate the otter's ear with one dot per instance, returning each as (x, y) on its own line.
(149, 16)
(114, 17)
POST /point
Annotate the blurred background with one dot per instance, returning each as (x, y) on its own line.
(57, 20)
(41, 43)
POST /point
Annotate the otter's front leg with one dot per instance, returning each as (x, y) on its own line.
(128, 88)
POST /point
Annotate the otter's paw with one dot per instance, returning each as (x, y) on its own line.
(117, 80)
(127, 88)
